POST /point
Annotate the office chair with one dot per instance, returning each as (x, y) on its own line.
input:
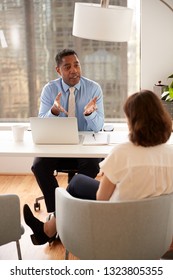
(130, 230)
(70, 172)
(10, 221)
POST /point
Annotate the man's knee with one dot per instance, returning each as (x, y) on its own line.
(35, 166)
(93, 167)
(38, 166)
(89, 167)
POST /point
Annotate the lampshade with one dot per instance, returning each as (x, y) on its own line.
(91, 21)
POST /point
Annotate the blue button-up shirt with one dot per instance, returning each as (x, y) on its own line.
(85, 91)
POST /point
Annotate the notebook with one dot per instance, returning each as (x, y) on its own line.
(104, 138)
(95, 139)
(54, 130)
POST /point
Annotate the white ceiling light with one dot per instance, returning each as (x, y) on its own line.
(102, 22)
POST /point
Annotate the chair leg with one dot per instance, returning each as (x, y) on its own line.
(66, 254)
(18, 250)
(37, 204)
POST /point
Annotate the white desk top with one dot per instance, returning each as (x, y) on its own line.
(27, 148)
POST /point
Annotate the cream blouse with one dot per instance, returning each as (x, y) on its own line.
(139, 172)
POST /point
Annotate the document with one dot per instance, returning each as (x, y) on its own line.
(96, 139)
(104, 138)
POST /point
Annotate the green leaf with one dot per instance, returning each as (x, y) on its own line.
(171, 76)
(171, 92)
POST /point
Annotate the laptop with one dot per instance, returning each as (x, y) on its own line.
(54, 130)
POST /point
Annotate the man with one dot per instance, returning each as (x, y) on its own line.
(89, 112)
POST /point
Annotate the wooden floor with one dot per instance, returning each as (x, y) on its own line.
(26, 187)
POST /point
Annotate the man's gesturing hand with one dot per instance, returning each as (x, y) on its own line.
(90, 107)
(57, 108)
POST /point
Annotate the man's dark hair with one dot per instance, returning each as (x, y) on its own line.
(63, 53)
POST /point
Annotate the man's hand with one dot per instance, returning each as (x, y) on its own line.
(90, 107)
(57, 108)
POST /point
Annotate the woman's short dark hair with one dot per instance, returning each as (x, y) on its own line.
(63, 53)
(149, 122)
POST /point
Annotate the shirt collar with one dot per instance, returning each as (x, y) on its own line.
(66, 87)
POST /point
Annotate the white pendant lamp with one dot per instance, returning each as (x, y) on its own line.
(102, 22)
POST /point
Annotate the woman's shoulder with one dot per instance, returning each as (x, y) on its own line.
(128, 145)
(167, 148)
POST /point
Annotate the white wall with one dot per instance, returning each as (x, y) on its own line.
(156, 42)
(156, 62)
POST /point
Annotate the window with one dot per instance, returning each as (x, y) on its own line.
(35, 30)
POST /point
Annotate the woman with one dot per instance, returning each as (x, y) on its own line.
(137, 169)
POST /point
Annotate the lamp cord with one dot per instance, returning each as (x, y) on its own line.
(167, 5)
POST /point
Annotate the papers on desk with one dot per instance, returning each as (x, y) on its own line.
(115, 137)
(103, 138)
(96, 139)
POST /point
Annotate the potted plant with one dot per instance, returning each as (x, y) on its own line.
(167, 97)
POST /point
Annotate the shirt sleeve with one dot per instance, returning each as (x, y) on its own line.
(95, 121)
(113, 165)
(46, 102)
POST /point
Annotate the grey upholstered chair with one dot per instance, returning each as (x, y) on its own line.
(10, 221)
(108, 230)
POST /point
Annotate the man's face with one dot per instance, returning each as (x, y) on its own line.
(70, 70)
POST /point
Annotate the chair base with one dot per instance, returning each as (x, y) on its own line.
(37, 203)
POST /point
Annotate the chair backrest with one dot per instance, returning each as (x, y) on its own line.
(10, 220)
(115, 230)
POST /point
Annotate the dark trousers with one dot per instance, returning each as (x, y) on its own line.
(43, 169)
(84, 187)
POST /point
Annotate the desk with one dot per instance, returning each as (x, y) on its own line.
(17, 158)
(27, 148)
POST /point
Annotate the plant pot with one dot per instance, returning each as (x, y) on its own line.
(169, 107)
